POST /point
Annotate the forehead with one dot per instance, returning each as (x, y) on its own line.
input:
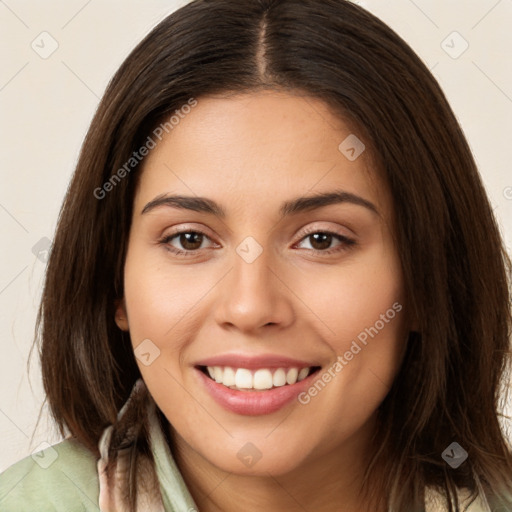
(258, 146)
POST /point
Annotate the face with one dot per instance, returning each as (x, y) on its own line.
(266, 328)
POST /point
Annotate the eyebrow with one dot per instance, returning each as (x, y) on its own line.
(291, 207)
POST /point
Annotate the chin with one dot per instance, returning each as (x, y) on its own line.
(257, 458)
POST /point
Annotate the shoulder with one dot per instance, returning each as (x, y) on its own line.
(62, 477)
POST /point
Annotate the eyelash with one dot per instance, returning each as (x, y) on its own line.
(346, 243)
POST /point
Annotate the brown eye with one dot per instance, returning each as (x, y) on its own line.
(321, 242)
(190, 240)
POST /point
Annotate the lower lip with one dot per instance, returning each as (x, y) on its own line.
(253, 403)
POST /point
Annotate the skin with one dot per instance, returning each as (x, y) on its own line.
(250, 153)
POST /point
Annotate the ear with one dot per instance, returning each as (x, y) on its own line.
(121, 317)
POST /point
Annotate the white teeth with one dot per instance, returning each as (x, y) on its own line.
(243, 378)
(229, 377)
(263, 378)
(303, 374)
(291, 376)
(217, 373)
(279, 378)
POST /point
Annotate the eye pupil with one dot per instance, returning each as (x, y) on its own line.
(322, 240)
(187, 240)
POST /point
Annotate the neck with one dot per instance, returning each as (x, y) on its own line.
(330, 482)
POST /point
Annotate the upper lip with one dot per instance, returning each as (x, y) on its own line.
(255, 361)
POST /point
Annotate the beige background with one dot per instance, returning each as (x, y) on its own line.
(46, 105)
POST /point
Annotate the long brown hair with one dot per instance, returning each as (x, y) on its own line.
(456, 272)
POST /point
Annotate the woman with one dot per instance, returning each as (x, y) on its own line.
(276, 281)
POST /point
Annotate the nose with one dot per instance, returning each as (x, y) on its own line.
(255, 294)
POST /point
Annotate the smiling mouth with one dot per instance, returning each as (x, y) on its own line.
(261, 379)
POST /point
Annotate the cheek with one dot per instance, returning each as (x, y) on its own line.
(159, 298)
(350, 299)
(160, 303)
(364, 309)
(360, 309)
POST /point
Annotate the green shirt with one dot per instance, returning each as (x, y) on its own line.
(64, 478)
(71, 482)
